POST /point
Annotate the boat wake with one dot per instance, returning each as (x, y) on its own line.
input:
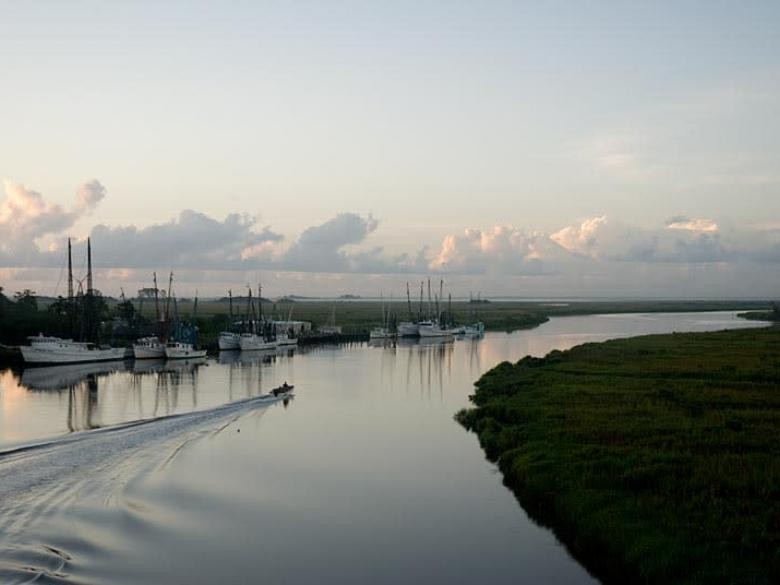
(87, 472)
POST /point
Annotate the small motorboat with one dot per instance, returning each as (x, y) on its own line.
(283, 389)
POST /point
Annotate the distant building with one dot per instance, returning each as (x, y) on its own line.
(148, 293)
(330, 330)
(293, 327)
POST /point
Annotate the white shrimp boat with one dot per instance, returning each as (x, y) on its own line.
(408, 329)
(284, 340)
(380, 333)
(55, 350)
(148, 348)
(434, 329)
(254, 342)
(474, 330)
(178, 350)
(229, 340)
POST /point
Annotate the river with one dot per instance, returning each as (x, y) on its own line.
(182, 473)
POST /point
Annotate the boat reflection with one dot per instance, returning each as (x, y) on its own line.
(67, 376)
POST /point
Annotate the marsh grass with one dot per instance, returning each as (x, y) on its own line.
(655, 459)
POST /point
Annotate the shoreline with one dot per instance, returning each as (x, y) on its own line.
(652, 458)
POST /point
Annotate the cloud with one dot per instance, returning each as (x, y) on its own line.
(597, 253)
(321, 248)
(681, 222)
(597, 241)
(25, 217)
(191, 240)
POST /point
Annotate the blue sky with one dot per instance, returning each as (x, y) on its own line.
(423, 119)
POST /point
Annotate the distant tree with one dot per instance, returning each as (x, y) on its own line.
(148, 293)
(26, 300)
(125, 310)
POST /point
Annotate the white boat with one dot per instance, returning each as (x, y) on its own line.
(254, 342)
(54, 350)
(433, 329)
(148, 348)
(229, 340)
(474, 330)
(284, 340)
(178, 350)
(408, 329)
(380, 333)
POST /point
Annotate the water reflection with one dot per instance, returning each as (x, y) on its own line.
(367, 479)
(66, 376)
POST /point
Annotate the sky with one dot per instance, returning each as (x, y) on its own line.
(517, 148)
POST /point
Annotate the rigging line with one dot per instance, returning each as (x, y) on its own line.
(59, 279)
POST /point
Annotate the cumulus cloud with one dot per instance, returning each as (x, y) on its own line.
(193, 240)
(322, 247)
(501, 249)
(25, 217)
(682, 222)
(598, 241)
(599, 250)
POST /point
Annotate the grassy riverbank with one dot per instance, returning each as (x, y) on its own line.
(655, 459)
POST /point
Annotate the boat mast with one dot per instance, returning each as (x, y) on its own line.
(260, 302)
(230, 306)
(70, 273)
(71, 300)
(156, 302)
(419, 311)
(441, 298)
(409, 302)
(429, 299)
(168, 307)
(249, 321)
(89, 267)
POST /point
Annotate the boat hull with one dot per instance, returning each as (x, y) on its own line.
(408, 330)
(228, 341)
(435, 332)
(255, 343)
(175, 353)
(39, 355)
(148, 353)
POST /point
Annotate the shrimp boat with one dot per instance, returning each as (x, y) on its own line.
(255, 339)
(148, 348)
(434, 329)
(255, 342)
(384, 331)
(179, 350)
(229, 339)
(408, 329)
(284, 340)
(152, 347)
(55, 350)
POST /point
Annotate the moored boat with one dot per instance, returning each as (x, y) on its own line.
(254, 342)
(177, 350)
(148, 348)
(408, 329)
(229, 340)
(54, 350)
(284, 340)
(434, 329)
(380, 333)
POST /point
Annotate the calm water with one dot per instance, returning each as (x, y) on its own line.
(363, 476)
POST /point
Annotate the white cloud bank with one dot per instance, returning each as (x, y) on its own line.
(617, 256)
